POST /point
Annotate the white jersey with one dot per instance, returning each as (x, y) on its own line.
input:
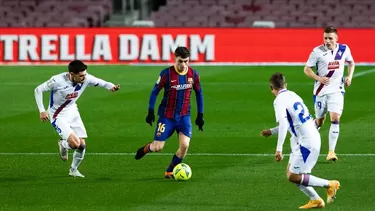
(329, 64)
(64, 93)
(293, 115)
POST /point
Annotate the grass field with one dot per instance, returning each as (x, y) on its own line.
(233, 167)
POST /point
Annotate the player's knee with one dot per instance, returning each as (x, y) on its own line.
(294, 178)
(74, 141)
(319, 122)
(288, 174)
(82, 147)
(184, 147)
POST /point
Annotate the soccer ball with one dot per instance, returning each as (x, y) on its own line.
(182, 172)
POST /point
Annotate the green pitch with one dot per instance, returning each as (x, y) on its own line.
(232, 174)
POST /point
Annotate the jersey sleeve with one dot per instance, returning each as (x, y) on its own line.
(44, 87)
(162, 80)
(348, 56)
(94, 81)
(160, 84)
(280, 110)
(313, 59)
(281, 118)
(198, 92)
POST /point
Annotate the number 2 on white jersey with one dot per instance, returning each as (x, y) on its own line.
(303, 117)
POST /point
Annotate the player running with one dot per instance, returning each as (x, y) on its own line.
(63, 113)
(174, 110)
(329, 60)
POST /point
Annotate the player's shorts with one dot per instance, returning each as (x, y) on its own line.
(303, 160)
(328, 103)
(66, 125)
(166, 127)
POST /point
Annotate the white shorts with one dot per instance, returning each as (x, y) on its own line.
(66, 125)
(330, 102)
(303, 160)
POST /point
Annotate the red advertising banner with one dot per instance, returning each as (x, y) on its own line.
(156, 45)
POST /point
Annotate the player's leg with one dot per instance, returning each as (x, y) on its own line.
(62, 127)
(294, 176)
(320, 107)
(164, 129)
(184, 130)
(79, 145)
(300, 169)
(335, 108)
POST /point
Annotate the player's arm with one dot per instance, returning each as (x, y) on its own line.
(94, 81)
(311, 62)
(281, 118)
(351, 67)
(38, 94)
(199, 99)
(160, 84)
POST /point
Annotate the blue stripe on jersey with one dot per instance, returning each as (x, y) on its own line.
(290, 123)
(78, 87)
(51, 99)
(340, 52)
(180, 95)
(305, 153)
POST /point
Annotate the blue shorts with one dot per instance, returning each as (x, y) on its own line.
(166, 127)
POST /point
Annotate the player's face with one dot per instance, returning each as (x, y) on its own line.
(330, 40)
(79, 77)
(182, 63)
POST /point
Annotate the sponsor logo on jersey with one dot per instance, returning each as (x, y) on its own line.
(333, 65)
(182, 86)
(71, 96)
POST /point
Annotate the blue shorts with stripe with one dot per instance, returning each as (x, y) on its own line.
(166, 127)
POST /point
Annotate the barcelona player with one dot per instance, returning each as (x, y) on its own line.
(178, 82)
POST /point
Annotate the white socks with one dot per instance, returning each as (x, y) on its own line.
(333, 135)
(309, 192)
(78, 156)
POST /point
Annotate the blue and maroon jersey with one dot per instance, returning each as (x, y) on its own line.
(177, 92)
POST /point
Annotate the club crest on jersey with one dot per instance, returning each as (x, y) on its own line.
(333, 65)
(190, 80)
(71, 96)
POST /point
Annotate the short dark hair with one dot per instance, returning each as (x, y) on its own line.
(182, 52)
(278, 81)
(330, 29)
(76, 66)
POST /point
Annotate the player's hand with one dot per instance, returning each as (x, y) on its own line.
(150, 117)
(348, 81)
(200, 121)
(266, 133)
(323, 80)
(44, 116)
(278, 156)
(115, 88)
